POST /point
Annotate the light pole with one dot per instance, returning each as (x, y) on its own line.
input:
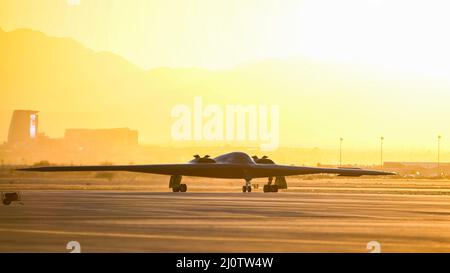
(381, 143)
(340, 151)
(439, 153)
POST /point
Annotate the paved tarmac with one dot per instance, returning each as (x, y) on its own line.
(121, 221)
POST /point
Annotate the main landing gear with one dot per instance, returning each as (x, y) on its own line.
(270, 187)
(180, 188)
(175, 184)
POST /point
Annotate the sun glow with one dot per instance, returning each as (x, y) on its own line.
(407, 36)
(352, 68)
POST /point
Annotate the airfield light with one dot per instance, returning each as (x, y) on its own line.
(340, 151)
(439, 152)
(381, 154)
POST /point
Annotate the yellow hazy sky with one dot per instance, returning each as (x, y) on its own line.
(392, 60)
(401, 35)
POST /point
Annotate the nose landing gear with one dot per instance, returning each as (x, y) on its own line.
(248, 186)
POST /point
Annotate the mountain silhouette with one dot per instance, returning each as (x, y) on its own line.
(75, 86)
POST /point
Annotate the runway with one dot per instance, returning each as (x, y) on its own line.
(119, 221)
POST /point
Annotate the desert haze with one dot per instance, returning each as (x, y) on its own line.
(87, 91)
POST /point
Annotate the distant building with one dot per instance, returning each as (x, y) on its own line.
(101, 137)
(26, 144)
(23, 126)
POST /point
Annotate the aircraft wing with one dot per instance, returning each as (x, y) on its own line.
(265, 170)
(215, 170)
(167, 169)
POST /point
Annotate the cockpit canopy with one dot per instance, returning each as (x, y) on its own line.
(234, 158)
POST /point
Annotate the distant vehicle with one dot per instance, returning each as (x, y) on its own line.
(9, 197)
(235, 165)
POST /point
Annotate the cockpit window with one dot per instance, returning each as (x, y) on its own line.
(235, 158)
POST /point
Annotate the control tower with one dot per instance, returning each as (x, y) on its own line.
(23, 126)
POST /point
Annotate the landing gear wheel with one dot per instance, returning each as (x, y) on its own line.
(274, 188)
(176, 189)
(270, 188)
(249, 188)
(6, 202)
(244, 188)
(183, 187)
